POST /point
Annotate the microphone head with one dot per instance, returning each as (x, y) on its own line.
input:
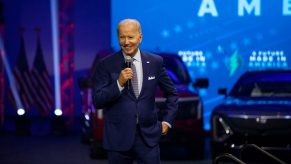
(128, 59)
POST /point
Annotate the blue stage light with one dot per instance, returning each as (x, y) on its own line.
(20, 112)
(55, 43)
(58, 112)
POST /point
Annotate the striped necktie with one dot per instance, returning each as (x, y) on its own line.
(134, 80)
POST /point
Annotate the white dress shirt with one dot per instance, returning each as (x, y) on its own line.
(138, 66)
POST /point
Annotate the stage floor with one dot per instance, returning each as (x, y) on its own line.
(47, 149)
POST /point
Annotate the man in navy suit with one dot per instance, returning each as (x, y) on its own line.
(125, 90)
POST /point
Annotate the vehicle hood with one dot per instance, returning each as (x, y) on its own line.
(255, 106)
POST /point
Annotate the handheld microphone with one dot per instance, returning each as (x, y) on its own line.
(128, 61)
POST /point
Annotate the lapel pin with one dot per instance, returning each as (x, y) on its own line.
(148, 61)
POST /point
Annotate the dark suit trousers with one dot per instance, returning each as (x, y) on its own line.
(140, 152)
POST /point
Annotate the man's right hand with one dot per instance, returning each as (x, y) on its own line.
(124, 75)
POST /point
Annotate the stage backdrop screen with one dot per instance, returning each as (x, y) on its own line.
(217, 39)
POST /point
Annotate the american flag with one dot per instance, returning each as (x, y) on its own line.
(22, 79)
(43, 95)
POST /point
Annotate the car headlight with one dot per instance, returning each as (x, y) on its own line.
(221, 130)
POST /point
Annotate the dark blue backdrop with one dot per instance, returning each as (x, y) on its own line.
(216, 39)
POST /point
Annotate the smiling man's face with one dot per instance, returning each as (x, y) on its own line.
(129, 37)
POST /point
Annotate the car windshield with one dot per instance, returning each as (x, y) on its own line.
(176, 70)
(267, 85)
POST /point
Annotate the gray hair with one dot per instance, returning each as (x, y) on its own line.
(128, 20)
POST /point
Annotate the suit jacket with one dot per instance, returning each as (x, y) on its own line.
(121, 109)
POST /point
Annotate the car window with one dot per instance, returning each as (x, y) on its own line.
(273, 88)
(176, 70)
(262, 87)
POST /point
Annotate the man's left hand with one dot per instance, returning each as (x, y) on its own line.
(165, 128)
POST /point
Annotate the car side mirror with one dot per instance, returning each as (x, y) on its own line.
(201, 83)
(222, 91)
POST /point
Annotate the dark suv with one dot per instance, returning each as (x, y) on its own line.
(187, 132)
(257, 110)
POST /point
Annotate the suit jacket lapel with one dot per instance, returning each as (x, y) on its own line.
(120, 60)
(145, 68)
